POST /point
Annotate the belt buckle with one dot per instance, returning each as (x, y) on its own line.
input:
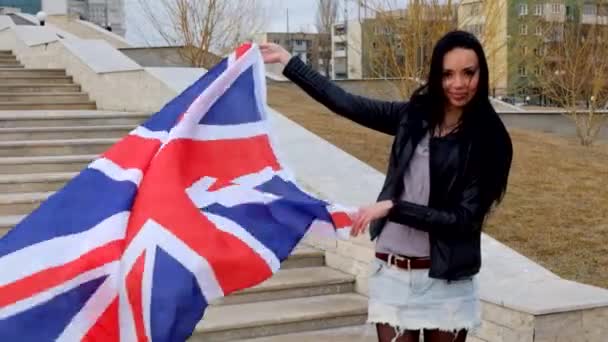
(398, 258)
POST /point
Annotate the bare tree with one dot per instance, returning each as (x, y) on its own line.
(327, 13)
(569, 65)
(487, 19)
(397, 42)
(204, 29)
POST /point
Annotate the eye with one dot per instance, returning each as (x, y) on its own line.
(447, 74)
(469, 72)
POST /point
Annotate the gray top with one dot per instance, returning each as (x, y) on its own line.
(404, 240)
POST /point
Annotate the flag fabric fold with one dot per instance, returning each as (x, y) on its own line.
(192, 205)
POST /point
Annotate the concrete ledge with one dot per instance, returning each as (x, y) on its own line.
(35, 35)
(109, 35)
(6, 22)
(100, 56)
(177, 79)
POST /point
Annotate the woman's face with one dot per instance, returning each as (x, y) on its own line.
(460, 76)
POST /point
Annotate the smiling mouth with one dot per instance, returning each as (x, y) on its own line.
(460, 96)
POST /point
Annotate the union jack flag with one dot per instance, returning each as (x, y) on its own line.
(191, 206)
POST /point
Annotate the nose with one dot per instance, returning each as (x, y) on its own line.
(460, 81)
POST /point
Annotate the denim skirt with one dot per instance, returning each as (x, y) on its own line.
(411, 300)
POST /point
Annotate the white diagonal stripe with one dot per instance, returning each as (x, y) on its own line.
(61, 250)
(103, 297)
(48, 294)
(117, 173)
(143, 132)
(242, 234)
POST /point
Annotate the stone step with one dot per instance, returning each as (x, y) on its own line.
(34, 182)
(69, 132)
(358, 333)
(295, 283)
(21, 203)
(304, 257)
(251, 320)
(6, 52)
(32, 73)
(63, 118)
(45, 164)
(33, 148)
(37, 80)
(7, 222)
(46, 97)
(40, 88)
(6, 58)
(14, 66)
(48, 105)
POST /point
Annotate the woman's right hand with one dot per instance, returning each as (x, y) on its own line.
(274, 53)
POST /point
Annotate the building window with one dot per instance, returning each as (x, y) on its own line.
(539, 30)
(556, 8)
(537, 71)
(475, 9)
(538, 9)
(340, 30)
(522, 70)
(589, 9)
(524, 50)
(523, 29)
(523, 9)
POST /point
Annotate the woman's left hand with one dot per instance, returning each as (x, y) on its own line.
(368, 213)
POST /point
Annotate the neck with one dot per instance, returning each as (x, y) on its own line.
(452, 116)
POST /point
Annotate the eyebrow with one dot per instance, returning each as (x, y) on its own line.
(473, 67)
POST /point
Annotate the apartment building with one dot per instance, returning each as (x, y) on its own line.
(25, 6)
(109, 14)
(383, 45)
(517, 33)
(311, 48)
(347, 50)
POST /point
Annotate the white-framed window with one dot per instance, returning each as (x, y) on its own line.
(538, 9)
(556, 8)
(538, 30)
(523, 29)
(589, 9)
(522, 70)
(537, 70)
(524, 50)
(523, 9)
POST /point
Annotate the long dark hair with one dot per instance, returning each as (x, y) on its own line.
(491, 144)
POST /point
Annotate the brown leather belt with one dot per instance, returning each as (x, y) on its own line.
(405, 262)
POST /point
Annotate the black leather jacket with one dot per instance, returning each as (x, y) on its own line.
(455, 214)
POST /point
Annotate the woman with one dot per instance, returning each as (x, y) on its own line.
(448, 166)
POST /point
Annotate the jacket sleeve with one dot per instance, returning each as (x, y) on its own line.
(464, 218)
(382, 116)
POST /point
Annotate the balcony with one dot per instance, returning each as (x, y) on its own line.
(340, 53)
(592, 19)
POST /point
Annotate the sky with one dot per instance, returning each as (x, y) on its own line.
(302, 17)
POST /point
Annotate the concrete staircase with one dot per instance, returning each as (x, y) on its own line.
(31, 89)
(304, 301)
(48, 133)
(41, 150)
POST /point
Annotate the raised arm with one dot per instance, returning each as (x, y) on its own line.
(383, 116)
